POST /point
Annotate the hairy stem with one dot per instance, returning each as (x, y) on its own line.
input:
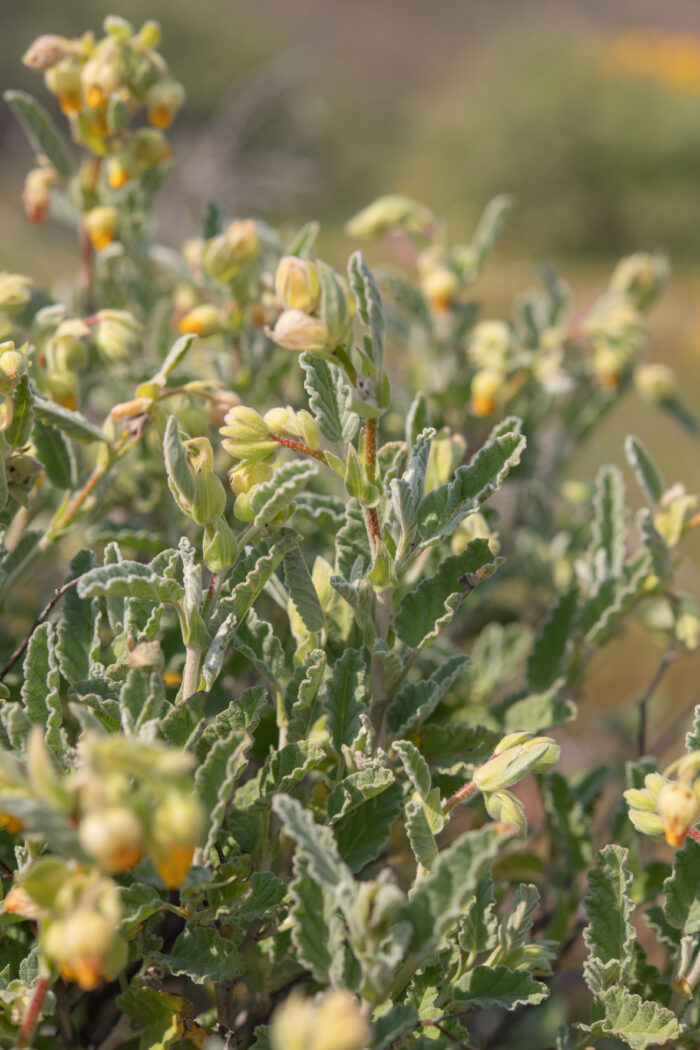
(190, 678)
(33, 1013)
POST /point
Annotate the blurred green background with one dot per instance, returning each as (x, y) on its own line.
(589, 114)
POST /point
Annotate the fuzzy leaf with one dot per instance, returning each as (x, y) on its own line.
(413, 704)
(273, 497)
(442, 509)
(352, 545)
(39, 127)
(355, 789)
(40, 688)
(478, 928)
(609, 525)
(129, 579)
(638, 1023)
(284, 768)
(202, 954)
(369, 304)
(346, 698)
(610, 935)
(682, 889)
(317, 932)
(426, 609)
(363, 832)
(17, 434)
(324, 864)
(72, 423)
(216, 777)
(329, 399)
(645, 470)
(301, 589)
(55, 453)
(75, 626)
(549, 647)
(301, 695)
(488, 986)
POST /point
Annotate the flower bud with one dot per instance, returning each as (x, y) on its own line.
(15, 292)
(244, 238)
(79, 946)
(486, 387)
(36, 195)
(163, 101)
(655, 382)
(220, 404)
(175, 834)
(101, 224)
(292, 1024)
(340, 1023)
(149, 34)
(296, 284)
(63, 81)
(391, 212)
(202, 320)
(505, 808)
(100, 78)
(117, 335)
(248, 476)
(47, 51)
(246, 435)
(295, 330)
(18, 902)
(512, 762)
(149, 147)
(490, 345)
(679, 808)
(66, 350)
(120, 170)
(219, 546)
(440, 286)
(113, 837)
(209, 499)
(219, 259)
(287, 423)
(641, 277)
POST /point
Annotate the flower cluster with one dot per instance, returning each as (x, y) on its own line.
(666, 807)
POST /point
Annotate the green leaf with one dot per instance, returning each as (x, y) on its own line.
(55, 453)
(175, 355)
(139, 902)
(346, 698)
(610, 934)
(415, 766)
(392, 1024)
(301, 589)
(638, 1023)
(76, 624)
(490, 227)
(609, 524)
(488, 986)
(516, 924)
(17, 434)
(216, 777)
(645, 470)
(44, 137)
(323, 860)
(570, 826)
(408, 491)
(430, 606)
(369, 304)
(692, 738)
(302, 693)
(283, 769)
(330, 398)
(202, 954)
(40, 688)
(439, 899)
(158, 1014)
(273, 497)
(550, 645)
(352, 545)
(413, 704)
(355, 789)
(478, 928)
(363, 832)
(540, 711)
(129, 579)
(317, 932)
(180, 479)
(72, 423)
(682, 889)
(442, 509)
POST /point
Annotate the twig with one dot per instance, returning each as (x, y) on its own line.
(643, 702)
(33, 1013)
(459, 796)
(448, 1035)
(55, 598)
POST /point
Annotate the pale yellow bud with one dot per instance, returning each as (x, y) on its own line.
(655, 382)
(202, 320)
(340, 1023)
(679, 808)
(113, 837)
(295, 330)
(79, 946)
(440, 286)
(486, 388)
(163, 100)
(296, 284)
(15, 292)
(101, 224)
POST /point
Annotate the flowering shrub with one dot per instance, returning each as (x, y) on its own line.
(268, 738)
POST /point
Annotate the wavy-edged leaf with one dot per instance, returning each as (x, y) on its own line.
(610, 934)
(352, 545)
(413, 704)
(489, 986)
(430, 606)
(609, 524)
(40, 688)
(274, 496)
(363, 832)
(216, 777)
(356, 788)
(39, 127)
(75, 626)
(346, 698)
(638, 1023)
(317, 931)
(369, 304)
(17, 434)
(129, 579)
(330, 398)
(301, 695)
(301, 589)
(682, 889)
(203, 955)
(442, 509)
(55, 453)
(324, 863)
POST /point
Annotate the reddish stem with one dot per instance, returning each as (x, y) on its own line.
(459, 796)
(297, 446)
(371, 449)
(33, 1011)
(694, 834)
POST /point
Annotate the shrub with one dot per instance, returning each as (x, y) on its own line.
(259, 750)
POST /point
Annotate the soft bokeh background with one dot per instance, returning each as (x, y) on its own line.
(589, 114)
